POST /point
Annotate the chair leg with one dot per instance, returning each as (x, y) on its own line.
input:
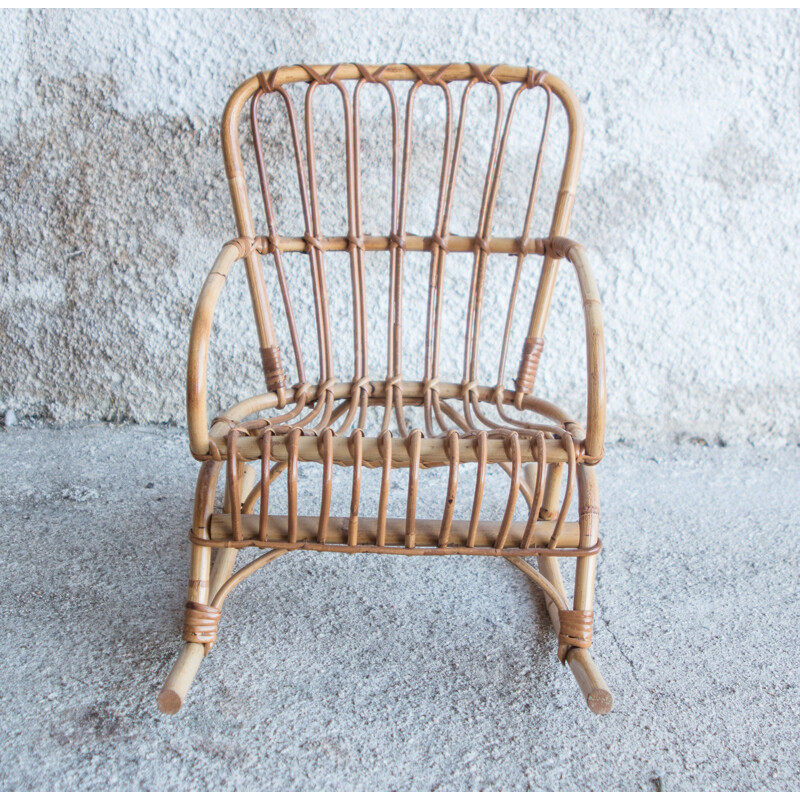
(594, 688)
(590, 680)
(173, 693)
(204, 583)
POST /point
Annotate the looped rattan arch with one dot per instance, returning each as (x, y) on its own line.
(391, 421)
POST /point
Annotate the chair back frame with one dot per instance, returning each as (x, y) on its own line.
(397, 240)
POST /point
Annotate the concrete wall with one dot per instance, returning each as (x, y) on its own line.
(114, 201)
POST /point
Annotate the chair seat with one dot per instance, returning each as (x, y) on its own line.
(493, 442)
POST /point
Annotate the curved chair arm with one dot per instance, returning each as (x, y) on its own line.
(196, 412)
(595, 345)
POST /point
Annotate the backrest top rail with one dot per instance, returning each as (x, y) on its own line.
(427, 74)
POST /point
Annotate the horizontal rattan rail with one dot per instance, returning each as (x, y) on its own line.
(427, 533)
(418, 244)
(395, 423)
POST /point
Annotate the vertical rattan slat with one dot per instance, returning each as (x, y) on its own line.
(325, 445)
(292, 448)
(480, 480)
(385, 450)
(452, 488)
(355, 444)
(263, 511)
(412, 444)
(511, 443)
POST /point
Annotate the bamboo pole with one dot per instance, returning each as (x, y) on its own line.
(234, 171)
(562, 212)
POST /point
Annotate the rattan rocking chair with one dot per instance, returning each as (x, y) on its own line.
(545, 453)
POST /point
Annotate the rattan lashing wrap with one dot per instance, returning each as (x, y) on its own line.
(576, 628)
(200, 623)
(273, 370)
(529, 363)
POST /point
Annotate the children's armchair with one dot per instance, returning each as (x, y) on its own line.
(392, 421)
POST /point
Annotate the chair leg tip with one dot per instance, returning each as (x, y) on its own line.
(169, 701)
(600, 701)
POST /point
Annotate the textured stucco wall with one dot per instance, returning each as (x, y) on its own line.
(114, 201)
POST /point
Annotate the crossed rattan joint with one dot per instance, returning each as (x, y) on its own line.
(363, 423)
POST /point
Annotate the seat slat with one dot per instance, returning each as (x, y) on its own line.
(413, 394)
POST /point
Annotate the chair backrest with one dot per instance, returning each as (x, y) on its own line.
(453, 88)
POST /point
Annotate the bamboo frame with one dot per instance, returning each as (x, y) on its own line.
(547, 455)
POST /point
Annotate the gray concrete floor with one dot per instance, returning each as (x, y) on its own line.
(368, 672)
